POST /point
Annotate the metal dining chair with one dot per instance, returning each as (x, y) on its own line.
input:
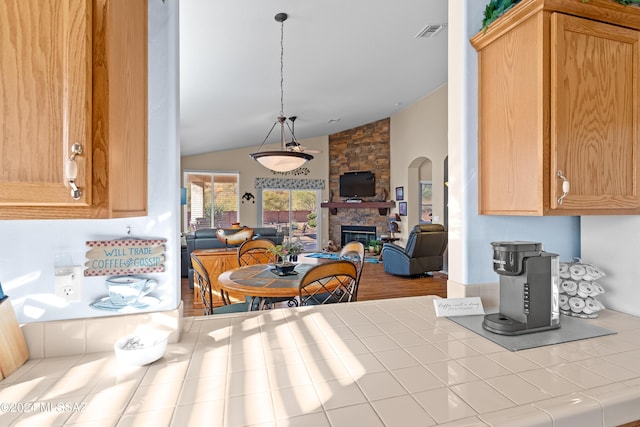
(256, 251)
(202, 279)
(354, 252)
(328, 283)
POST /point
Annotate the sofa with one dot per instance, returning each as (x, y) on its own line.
(205, 238)
(423, 253)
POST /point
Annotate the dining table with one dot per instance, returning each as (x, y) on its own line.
(261, 281)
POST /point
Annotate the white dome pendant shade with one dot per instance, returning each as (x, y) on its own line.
(281, 161)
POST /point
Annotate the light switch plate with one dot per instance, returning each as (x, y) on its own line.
(68, 283)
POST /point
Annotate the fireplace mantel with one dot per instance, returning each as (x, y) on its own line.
(383, 207)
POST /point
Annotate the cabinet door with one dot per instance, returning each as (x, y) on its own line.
(45, 103)
(595, 114)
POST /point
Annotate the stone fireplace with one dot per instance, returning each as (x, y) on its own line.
(365, 148)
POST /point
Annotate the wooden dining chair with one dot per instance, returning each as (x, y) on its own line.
(354, 252)
(202, 279)
(327, 283)
(256, 251)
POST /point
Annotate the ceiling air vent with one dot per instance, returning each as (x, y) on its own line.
(430, 31)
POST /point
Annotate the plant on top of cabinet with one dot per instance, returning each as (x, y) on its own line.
(558, 110)
(496, 8)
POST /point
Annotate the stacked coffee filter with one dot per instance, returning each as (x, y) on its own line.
(578, 289)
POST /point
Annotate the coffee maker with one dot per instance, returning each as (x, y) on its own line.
(529, 289)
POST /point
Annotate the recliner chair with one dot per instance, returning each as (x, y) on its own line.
(422, 254)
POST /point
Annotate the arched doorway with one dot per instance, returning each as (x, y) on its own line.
(422, 174)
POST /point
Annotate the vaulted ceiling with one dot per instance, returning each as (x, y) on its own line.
(346, 63)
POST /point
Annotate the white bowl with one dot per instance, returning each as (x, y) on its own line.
(141, 348)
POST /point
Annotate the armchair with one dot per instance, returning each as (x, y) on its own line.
(423, 253)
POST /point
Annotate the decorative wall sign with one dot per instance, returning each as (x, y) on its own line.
(124, 256)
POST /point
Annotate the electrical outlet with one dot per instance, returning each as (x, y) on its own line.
(68, 283)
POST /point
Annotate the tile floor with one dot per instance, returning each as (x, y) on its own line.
(375, 363)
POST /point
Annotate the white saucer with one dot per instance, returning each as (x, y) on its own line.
(106, 304)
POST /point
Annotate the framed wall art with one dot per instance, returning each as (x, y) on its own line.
(399, 193)
(402, 208)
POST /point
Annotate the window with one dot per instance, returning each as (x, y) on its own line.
(294, 213)
(426, 207)
(292, 206)
(212, 200)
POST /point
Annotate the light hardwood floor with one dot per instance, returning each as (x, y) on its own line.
(374, 284)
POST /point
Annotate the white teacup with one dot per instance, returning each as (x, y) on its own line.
(127, 290)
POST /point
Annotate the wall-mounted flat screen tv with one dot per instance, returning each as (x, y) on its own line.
(357, 184)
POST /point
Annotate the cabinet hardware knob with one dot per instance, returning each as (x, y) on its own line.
(566, 186)
(71, 171)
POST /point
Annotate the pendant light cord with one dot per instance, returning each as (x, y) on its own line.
(282, 68)
(281, 119)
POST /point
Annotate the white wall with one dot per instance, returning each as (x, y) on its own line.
(418, 132)
(470, 234)
(617, 257)
(28, 248)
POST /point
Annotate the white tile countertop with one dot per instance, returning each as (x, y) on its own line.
(374, 363)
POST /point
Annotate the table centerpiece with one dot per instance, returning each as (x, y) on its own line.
(287, 254)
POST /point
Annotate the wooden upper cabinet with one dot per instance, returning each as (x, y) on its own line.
(45, 102)
(73, 72)
(559, 96)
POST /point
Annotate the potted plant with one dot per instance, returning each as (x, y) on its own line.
(375, 246)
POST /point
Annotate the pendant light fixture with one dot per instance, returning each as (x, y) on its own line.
(282, 160)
